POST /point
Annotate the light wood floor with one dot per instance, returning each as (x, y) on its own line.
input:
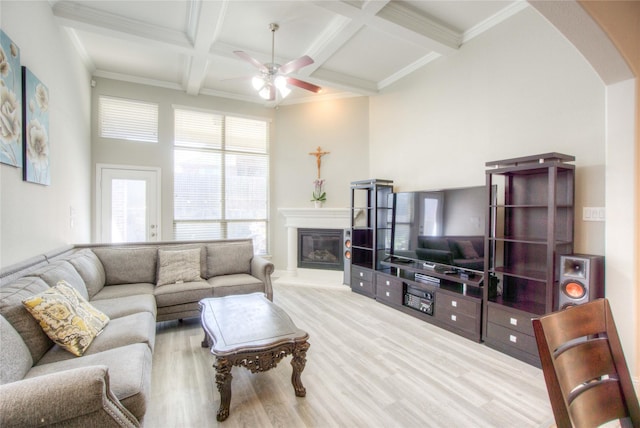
(368, 366)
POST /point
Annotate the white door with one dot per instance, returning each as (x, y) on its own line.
(127, 204)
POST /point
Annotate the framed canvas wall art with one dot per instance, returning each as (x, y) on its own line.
(35, 101)
(10, 102)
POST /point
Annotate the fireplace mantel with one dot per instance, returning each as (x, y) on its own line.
(318, 218)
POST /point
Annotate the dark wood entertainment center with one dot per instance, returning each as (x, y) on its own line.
(533, 213)
(529, 224)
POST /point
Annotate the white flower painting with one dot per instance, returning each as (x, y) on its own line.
(10, 103)
(37, 168)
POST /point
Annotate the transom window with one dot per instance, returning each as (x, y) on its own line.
(125, 119)
(221, 176)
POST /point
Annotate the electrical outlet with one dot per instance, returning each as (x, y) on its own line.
(593, 214)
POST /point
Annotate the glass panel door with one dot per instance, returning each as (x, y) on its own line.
(129, 204)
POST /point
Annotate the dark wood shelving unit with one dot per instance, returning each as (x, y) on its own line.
(529, 226)
(456, 302)
(370, 231)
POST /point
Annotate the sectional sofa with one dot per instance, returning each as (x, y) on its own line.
(130, 287)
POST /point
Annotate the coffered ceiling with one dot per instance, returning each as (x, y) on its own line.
(358, 47)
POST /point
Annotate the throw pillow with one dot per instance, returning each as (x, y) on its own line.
(466, 249)
(176, 266)
(66, 317)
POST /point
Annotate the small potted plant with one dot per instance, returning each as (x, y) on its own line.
(319, 195)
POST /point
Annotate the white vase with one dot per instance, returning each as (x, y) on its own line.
(317, 204)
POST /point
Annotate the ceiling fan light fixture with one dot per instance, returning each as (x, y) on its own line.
(258, 82)
(265, 92)
(281, 84)
(273, 82)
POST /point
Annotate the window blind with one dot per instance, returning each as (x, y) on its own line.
(128, 119)
(221, 176)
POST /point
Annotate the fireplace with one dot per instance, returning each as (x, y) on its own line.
(320, 249)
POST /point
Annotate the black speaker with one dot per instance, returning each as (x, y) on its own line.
(581, 279)
(346, 253)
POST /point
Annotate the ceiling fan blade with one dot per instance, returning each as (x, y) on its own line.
(257, 64)
(272, 93)
(295, 65)
(304, 85)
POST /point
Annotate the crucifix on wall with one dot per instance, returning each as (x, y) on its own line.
(318, 154)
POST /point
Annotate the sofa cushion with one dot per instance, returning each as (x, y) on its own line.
(11, 297)
(62, 270)
(435, 243)
(68, 319)
(123, 265)
(465, 249)
(90, 269)
(123, 331)
(15, 358)
(178, 247)
(129, 373)
(173, 294)
(124, 290)
(225, 285)
(126, 305)
(178, 266)
(229, 258)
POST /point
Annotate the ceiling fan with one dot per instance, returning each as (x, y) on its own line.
(274, 77)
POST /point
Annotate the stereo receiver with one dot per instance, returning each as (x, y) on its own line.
(419, 299)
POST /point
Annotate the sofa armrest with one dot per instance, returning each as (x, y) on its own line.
(76, 397)
(262, 269)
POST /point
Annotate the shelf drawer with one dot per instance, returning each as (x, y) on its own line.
(456, 319)
(362, 281)
(512, 338)
(389, 289)
(510, 319)
(360, 274)
(458, 305)
(364, 287)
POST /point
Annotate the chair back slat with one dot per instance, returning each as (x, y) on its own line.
(568, 325)
(598, 405)
(587, 377)
(584, 362)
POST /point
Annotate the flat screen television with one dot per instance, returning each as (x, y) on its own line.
(439, 228)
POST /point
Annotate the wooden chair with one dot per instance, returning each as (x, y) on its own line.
(584, 367)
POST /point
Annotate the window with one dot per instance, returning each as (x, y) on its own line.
(128, 119)
(221, 176)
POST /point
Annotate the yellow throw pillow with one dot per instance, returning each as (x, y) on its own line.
(66, 317)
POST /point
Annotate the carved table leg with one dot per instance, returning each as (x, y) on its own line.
(298, 362)
(223, 381)
(205, 341)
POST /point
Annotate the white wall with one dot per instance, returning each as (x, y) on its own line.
(519, 89)
(621, 270)
(122, 152)
(34, 218)
(340, 127)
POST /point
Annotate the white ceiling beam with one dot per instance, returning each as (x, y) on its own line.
(349, 20)
(205, 24)
(343, 82)
(81, 17)
(431, 56)
(402, 21)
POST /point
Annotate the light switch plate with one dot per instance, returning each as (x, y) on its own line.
(593, 214)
